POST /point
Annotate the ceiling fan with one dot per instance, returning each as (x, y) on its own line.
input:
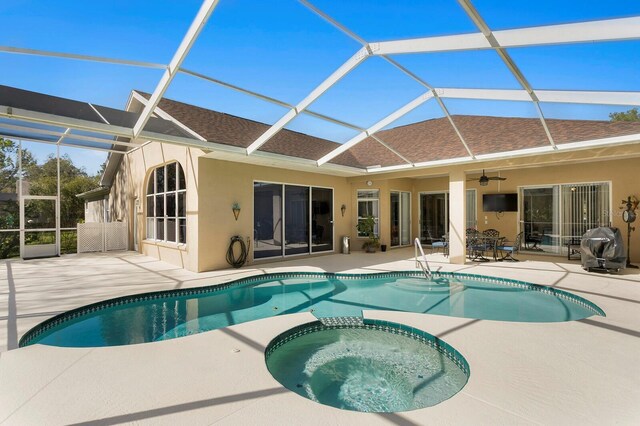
(484, 179)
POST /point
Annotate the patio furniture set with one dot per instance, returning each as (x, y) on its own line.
(481, 244)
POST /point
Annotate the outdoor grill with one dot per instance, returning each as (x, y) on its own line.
(602, 248)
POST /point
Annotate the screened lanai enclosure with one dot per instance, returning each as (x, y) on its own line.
(38, 219)
(348, 75)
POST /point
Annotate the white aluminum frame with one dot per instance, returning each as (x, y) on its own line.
(499, 41)
(40, 250)
(336, 76)
(180, 55)
(400, 210)
(391, 61)
(627, 28)
(580, 32)
(377, 126)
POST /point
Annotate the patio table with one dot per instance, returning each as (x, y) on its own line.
(484, 243)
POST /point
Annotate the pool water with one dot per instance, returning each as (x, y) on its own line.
(168, 315)
(366, 369)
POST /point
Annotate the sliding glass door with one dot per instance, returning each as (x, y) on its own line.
(267, 220)
(554, 214)
(540, 219)
(400, 218)
(434, 214)
(296, 223)
(321, 219)
(584, 206)
(291, 219)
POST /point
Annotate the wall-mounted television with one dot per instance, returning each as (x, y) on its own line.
(500, 202)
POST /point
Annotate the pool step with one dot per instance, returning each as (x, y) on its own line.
(342, 320)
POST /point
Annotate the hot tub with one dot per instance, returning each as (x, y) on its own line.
(366, 365)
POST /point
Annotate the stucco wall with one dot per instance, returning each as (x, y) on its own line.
(214, 185)
(128, 203)
(222, 183)
(385, 187)
(621, 173)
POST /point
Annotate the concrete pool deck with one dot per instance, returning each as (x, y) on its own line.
(581, 372)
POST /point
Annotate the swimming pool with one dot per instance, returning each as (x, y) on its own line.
(171, 314)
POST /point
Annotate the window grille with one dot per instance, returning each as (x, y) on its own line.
(166, 209)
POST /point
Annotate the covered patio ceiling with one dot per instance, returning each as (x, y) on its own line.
(38, 117)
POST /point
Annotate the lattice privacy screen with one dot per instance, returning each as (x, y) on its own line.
(108, 236)
(115, 236)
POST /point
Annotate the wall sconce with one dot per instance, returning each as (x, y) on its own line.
(236, 210)
(343, 209)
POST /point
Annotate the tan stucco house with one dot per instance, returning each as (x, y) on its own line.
(417, 180)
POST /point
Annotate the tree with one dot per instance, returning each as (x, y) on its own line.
(103, 167)
(73, 180)
(9, 209)
(631, 115)
(8, 166)
(41, 179)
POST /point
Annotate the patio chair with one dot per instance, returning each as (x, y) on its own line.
(508, 249)
(475, 245)
(491, 240)
(532, 240)
(437, 243)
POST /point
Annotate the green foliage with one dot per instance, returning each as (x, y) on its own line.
(73, 180)
(8, 169)
(41, 179)
(631, 115)
(9, 209)
(366, 226)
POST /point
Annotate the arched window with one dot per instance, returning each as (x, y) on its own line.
(166, 210)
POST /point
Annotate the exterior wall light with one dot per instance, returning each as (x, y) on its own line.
(343, 209)
(236, 210)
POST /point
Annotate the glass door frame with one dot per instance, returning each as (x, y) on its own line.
(283, 219)
(332, 220)
(401, 226)
(446, 209)
(561, 249)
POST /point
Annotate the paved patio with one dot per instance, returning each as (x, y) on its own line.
(582, 372)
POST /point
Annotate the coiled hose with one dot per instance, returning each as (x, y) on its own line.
(231, 256)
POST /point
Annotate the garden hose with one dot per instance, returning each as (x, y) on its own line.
(231, 256)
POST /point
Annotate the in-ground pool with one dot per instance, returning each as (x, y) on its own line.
(171, 314)
(370, 365)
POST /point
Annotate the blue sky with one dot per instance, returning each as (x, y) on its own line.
(281, 49)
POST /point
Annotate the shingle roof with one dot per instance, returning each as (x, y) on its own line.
(427, 140)
(236, 131)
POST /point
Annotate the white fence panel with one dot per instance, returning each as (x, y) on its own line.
(94, 236)
(116, 236)
(90, 237)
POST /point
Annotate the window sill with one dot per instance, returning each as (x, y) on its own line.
(179, 246)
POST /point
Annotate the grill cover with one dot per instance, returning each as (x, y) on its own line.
(603, 248)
